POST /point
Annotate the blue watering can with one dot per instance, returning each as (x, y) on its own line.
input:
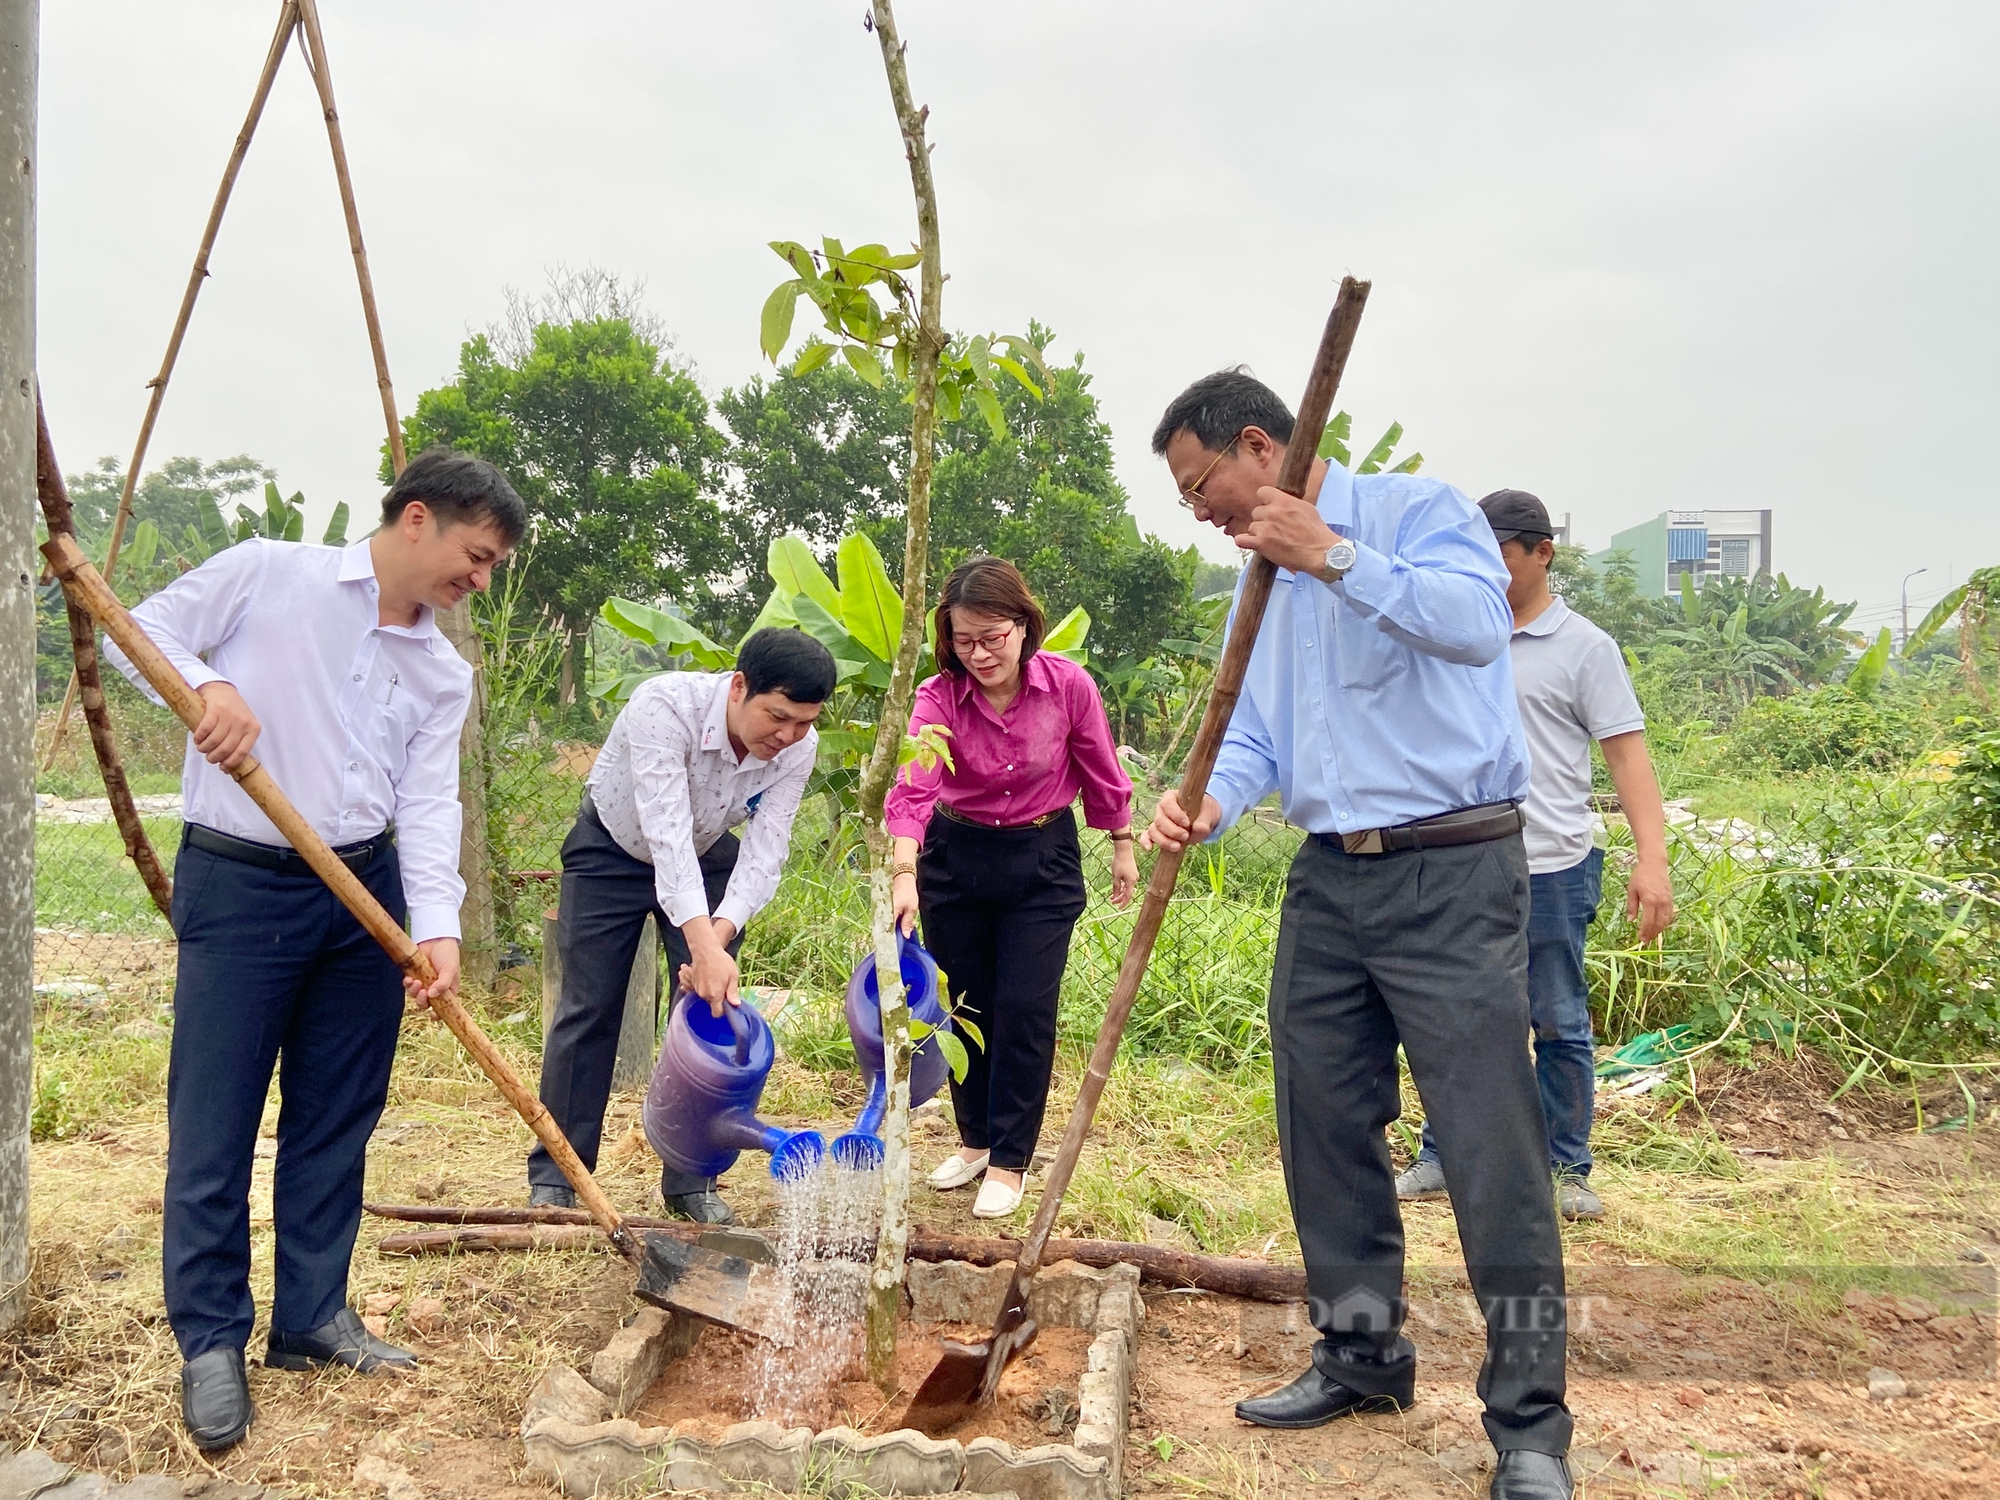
(701, 1107)
(861, 1148)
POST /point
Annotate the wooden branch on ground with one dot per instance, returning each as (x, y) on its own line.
(288, 18)
(517, 1229)
(56, 512)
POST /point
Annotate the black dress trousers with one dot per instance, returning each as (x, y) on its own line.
(998, 907)
(1427, 948)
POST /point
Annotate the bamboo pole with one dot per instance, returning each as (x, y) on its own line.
(322, 76)
(288, 17)
(83, 583)
(83, 646)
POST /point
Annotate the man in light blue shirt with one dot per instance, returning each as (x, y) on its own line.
(1379, 704)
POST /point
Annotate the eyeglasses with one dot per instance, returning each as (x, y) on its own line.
(1192, 495)
(965, 645)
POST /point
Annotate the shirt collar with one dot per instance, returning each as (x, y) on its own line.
(715, 728)
(357, 565)
(1546, 622)
(1037, 674)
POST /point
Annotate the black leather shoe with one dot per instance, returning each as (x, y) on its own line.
(547, 1195)
(1520, 1474)
(705, 1207)
(342, 1342)
(1311, 1401)
(215, 1399)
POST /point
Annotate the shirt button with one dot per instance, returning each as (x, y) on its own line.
(357, 676)
(1343, 817)
(354, 765)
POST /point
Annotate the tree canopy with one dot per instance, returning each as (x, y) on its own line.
(609, 442)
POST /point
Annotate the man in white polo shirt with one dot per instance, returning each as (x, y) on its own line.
(1572, 688)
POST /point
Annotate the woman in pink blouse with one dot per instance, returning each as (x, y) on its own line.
(999, 881)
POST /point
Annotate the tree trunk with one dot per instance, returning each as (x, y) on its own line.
(480, 945)
(566, 676)
(886, 1278)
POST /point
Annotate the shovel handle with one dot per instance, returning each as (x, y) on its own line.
(86, 587)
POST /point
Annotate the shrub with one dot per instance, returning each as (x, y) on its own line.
(1829, 728)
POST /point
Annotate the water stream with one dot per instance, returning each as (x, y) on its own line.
(826, 1228)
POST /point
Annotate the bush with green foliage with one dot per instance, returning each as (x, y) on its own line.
(1830, 728)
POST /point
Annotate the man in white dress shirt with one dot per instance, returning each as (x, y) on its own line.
(330, 663)
(692, 756)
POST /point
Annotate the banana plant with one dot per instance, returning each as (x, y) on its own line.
(1340, 431)
(1869, 667)
(1973, 602)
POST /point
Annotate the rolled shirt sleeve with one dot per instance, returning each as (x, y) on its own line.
(195, 614)
(429, 821)
(1444, 592)
(761, 860)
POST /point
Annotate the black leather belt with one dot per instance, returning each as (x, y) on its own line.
(268, 857)
(1042, 822)
(1468, 825)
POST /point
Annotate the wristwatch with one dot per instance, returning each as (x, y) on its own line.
(1339, 558)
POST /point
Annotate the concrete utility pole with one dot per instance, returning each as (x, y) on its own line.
(1903, 639)
(20, 43)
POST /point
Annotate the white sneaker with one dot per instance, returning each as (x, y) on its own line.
(955, 1171)
(996, 1199)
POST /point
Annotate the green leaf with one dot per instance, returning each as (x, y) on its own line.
(1013, 367)
(950, 408)
(336, 527)
(213, 530)
(962, 1024)
(1025, 351)
(989, 408)
(1936, 620)
(1333, 441)
(954, 1054)
(143, 548)
(776, 614)
(850, 657)
(800, 259)
(1066, 636)
(815, 354)
(617, 690)
(656, 627)
(775, 326)
(1379, 454)
(1867, 673)
(797, 572)
(905, 262)
(1409, 465)
(870, 607)
(864, 363)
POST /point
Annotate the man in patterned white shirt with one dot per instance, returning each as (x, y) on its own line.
(692, 756)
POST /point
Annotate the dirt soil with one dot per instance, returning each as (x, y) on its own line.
(724, 1380)
(1680, 1384)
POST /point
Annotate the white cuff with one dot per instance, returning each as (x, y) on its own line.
(682, 907)
(735, 911)
(1367, 582)
(433, 921)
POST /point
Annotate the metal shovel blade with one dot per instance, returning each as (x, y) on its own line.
(708, 1284)
(959, 1383)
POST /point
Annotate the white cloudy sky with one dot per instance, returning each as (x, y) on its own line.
(1629, 257)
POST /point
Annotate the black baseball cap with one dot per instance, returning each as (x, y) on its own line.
(1513, 513)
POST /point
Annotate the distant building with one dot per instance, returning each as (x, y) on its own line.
(1705, 543)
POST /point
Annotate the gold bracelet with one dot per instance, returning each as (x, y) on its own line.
(906, 868)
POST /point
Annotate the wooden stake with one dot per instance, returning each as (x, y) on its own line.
(83, 584)
(322, 76)
(83, 646)
(288, 17)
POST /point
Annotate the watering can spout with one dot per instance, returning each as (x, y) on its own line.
(701, 1106)
(861, 1149)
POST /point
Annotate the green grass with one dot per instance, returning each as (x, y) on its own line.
(84, 883)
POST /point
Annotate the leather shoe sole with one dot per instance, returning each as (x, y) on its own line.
(1312, 1401)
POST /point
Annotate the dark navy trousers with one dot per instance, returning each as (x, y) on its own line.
(273, 972)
